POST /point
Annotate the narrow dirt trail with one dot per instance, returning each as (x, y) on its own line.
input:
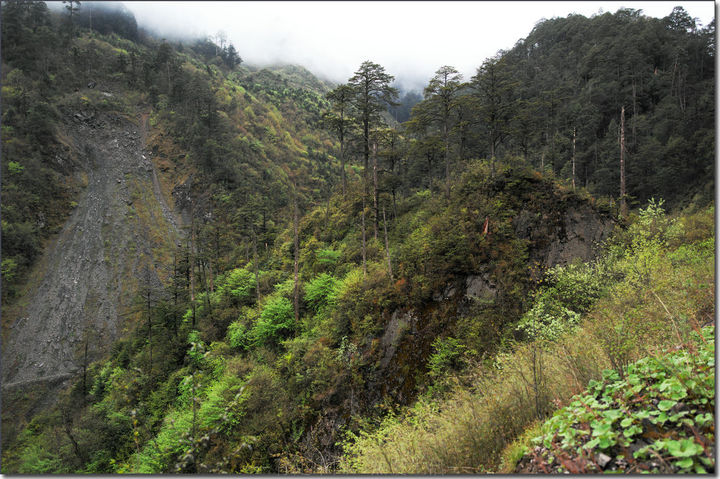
(87, 285)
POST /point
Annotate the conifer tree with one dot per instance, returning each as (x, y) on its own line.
(340, 121)
(494, 88)
(439, 105)
(373, 94)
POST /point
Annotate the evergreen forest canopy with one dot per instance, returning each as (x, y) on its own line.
(346, 278)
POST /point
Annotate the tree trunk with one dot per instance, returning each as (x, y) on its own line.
(192, 266)
(366, 142)
(364, 251)
(446, 140)
(175, 293)
(623, 204)
(296, 297)
(492, 156)
(375, 191)
(210, 275)
(573, 156)
(387, 245)
(255, 265)
(394, 205)
(634, 96)
(67, 422)
(342, 164)
(207, 292)
(85, 365)
(149, 335)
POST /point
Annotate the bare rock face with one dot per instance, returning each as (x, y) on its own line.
(560, 237)
(183, 199)
(573, 230)
(399, 324)
(480, 287)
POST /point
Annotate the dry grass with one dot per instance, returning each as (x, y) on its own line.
(468, 431)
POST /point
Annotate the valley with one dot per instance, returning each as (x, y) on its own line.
(215, 267)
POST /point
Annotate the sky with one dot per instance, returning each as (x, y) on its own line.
(410, 39)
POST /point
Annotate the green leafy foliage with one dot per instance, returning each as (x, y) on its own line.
(320, 292)
(239, 286)
(651, 413)
(276, 321)
(230, 383)
(238, 336)
(447, 356)
(494, 403)
(566, 293)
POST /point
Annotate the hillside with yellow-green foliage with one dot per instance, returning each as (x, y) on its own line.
(210, 267)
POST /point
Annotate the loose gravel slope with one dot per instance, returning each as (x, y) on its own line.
(108, 246)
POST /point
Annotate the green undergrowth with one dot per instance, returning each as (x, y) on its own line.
(649, 292)
(235, 355)
(657, 416)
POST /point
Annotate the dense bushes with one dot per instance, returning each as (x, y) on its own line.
(238, 385)
(629, 319)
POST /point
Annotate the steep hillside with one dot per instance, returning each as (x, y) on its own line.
(360, 342)
(95, 212)
(116, 231)
(646, 298)
(210, 267)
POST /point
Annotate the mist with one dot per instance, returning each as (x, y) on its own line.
(410, 39)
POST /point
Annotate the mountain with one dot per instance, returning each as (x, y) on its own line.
(213, 267)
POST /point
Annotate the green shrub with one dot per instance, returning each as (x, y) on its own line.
(238, 336)
(285, 288)
(447, 356)
(14, 167)
(321, 291)
(548, 319)
(661, 411)
(196, 353)
(276, 321)
(566, 293)
(37, 459)
(328, 257)
(239, 286)
(216, 411)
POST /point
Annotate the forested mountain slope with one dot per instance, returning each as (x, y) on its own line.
(101, 175)
(289, 278)
(556, 99)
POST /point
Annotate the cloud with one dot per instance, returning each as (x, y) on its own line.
(410, 39)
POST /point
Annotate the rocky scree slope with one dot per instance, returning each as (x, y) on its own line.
(86, 285)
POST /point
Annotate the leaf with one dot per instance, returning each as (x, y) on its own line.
(626, 422)
(612, 414)
(683, 448)
(600, 428)
(606, 442)
(592, 444)
(642, 414)
(702, 419)
(631, 431)
(666, 405)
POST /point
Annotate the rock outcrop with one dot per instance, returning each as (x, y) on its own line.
(557, 238)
